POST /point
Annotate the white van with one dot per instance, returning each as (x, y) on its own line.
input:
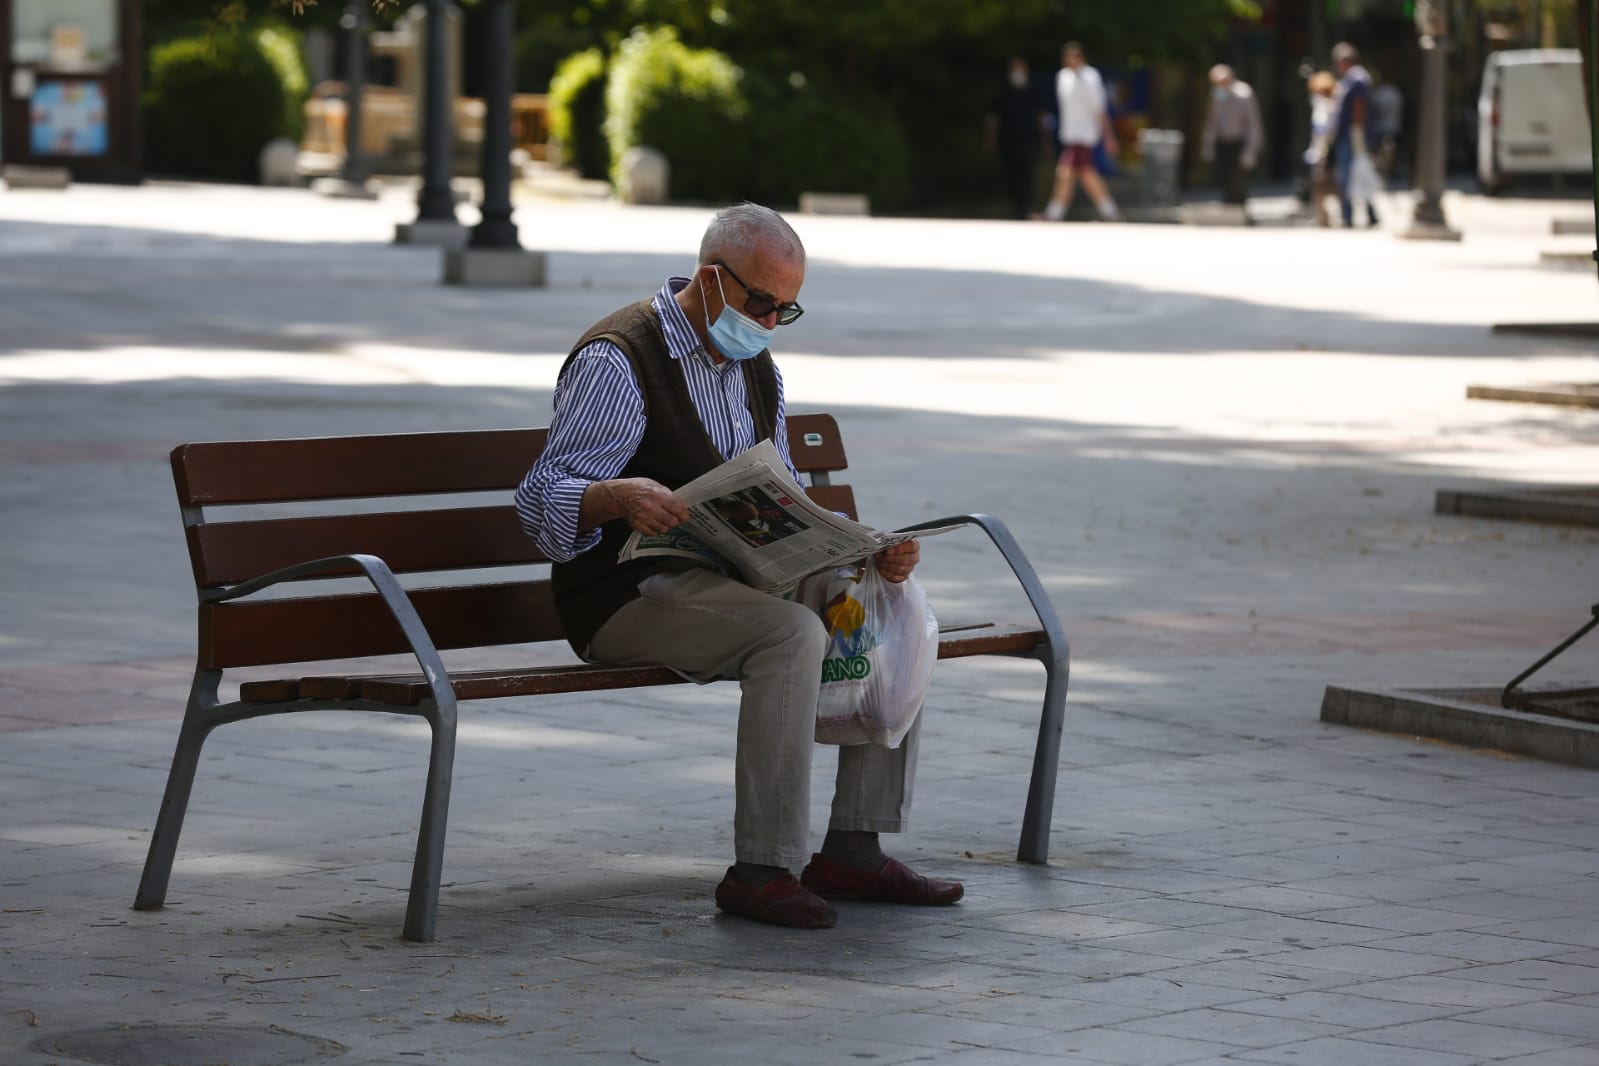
(1531, 119)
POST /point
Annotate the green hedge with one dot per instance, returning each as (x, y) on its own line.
(283, 49)
(728, 135)
(683, 102)
(810, 138)
(577, 113)
(214, 100)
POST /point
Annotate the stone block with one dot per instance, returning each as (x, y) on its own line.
(1553, 505)
(834, 203)
(1567, 259)
(20, 177)
(340, 189)
(1215, 214)
(440, 232)
(1430, 231)
(645, 176)
(1473, 717)
(509, 267)
(278, 162)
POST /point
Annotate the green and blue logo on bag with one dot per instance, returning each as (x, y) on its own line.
(848, 668)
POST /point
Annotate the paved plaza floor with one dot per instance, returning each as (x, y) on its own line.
(1219, 447)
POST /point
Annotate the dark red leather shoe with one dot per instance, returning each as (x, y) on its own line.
(781, 901)
(893, 883)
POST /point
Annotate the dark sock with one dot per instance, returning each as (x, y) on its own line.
(755, 875)
(854, 847)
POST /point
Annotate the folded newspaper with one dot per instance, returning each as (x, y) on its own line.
(751, 514)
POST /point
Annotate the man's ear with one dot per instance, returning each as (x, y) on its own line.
(705, 276)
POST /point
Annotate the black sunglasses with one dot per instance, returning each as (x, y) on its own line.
(761, 304)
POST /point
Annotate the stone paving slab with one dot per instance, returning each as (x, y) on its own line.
(1220, 448)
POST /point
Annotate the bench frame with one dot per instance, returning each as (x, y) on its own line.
(253, 472)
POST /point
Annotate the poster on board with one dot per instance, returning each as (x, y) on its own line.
(69, 119)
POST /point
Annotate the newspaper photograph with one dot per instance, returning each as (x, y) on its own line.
(751, 514)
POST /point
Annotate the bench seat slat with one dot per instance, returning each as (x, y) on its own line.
(990, 638)
(409, 690)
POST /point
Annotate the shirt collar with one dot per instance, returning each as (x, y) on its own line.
(681, 340)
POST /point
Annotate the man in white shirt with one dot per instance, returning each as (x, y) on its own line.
(1084, 122)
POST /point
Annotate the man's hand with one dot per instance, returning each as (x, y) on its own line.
(648, 506)
(896, 563)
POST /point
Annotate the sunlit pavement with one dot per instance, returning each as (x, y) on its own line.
(1218, 446)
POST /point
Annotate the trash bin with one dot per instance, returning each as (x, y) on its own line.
(1162, 154)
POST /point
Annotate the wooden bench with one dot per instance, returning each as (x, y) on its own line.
(417, 532)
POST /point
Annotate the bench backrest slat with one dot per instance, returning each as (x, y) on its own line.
(815, 444)
(406, 464)
(333, 468)
(840, 498)
(225, 553)
(319, 628)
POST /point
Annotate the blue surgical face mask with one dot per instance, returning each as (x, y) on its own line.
(735, 334)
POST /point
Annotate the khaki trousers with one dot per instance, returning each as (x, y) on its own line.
(709, 627)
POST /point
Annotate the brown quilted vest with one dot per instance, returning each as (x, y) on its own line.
(675, 450)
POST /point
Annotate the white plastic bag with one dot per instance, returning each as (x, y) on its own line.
(882, 643)
(1364, 181)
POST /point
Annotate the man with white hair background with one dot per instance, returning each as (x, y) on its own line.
(1233, 133)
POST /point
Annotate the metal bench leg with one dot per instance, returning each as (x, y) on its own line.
(180, 781)
(422, 906)
(1034, 845)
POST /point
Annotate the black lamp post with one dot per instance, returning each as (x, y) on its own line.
(354, 21)
(1588, 30)
(496, 230)
(493, 255)
(1427, 220)
(435, 202)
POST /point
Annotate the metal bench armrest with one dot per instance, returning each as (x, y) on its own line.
(1017, 560)
(1036, 818)
(389, 590)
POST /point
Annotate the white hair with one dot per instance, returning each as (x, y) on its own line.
(745, 227)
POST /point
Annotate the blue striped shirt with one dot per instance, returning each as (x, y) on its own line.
(599, 422)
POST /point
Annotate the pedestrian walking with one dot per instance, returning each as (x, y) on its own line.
(1014, 131)
(1321, 87)
(1233, 133)
(1084, 124)
(1353, 168)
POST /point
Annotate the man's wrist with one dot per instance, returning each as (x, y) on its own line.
(613, 502)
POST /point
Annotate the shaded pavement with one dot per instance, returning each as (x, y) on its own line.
(1219, 448)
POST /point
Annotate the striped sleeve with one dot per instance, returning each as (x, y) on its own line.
(780, 433)
(598, 424)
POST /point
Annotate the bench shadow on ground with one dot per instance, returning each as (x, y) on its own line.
(69, 288)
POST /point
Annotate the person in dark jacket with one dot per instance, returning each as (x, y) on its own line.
(1016, 122)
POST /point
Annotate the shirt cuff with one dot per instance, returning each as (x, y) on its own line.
(562, 507)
